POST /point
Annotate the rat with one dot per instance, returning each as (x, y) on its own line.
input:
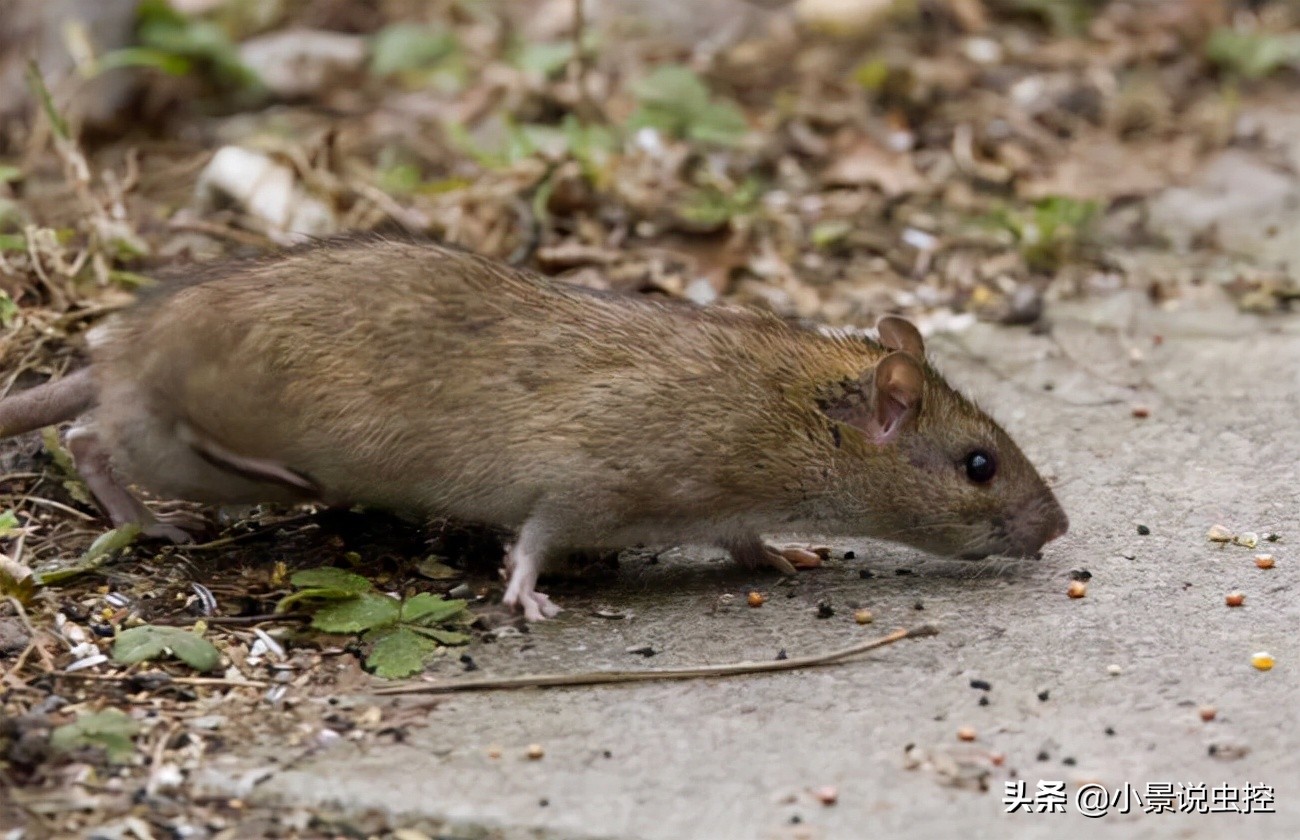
(432, 381)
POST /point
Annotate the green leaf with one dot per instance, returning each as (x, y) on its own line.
(429, 609)
(409, 46)
(150, 642)
(1252, 55)
(444, 637)
(673, 87)
(110, 729)
(364, 612)
(8, 519)
(165, 62)
(9, 173)
(722, 123)
(544, 58)
(12, 242)
(331, 577)
(111, 541)
(434, 568)
(398, 653)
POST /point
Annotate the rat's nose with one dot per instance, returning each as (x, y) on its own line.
(1060, 524)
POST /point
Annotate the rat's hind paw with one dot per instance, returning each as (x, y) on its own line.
(536, 606)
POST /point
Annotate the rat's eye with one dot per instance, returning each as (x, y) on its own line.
(981, 466)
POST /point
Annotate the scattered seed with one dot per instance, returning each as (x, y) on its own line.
(535, 752)
(984, 700)
(825, 610)
(827, 795)
(1264, 561)
(494, 751)
(1080, 574)
(1143, 531)
(1114, 670)
(1235, 599)
(1263, 661)
(1044, 696)
(863, 616)
(1218, 533)
(966, 733)
(1141, 412)
(865, 574)
(997, 759)
(755, 599)
(1248, 539)
(1077, 589)
(982, 685)
(1207, 713)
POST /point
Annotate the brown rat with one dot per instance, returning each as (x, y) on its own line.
(433, 381)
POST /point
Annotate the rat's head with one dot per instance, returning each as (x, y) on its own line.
(940, 473)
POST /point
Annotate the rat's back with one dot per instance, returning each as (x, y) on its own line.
(406, 375)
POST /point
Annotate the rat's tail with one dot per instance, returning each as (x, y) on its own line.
(47, 404)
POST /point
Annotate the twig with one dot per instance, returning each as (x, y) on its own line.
(602, 677)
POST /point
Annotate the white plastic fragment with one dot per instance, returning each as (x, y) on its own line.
(263, 188)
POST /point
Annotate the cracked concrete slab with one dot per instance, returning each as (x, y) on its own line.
(1102, 689)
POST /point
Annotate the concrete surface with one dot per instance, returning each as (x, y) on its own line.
(736, 758)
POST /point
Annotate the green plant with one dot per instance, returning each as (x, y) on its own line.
(401, 633)
(145, 642)
(111, 730)
(1051, 231)
(711, 206)
(1252, 55)
(180, 46)
(674, 100)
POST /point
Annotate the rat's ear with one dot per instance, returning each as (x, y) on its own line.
(899, 334)
(884, 401)
(898, 385)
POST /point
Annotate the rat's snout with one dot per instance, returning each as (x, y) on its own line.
(1059, 526)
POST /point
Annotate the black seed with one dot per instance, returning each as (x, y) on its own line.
(918, 606)
(902, 571)
(543, 802)
(849, 555)
(1110, 730)
(1143, 530)
(468, 662)
(984, 699)
(1069, 762)
(865, 574)
(1044, 695)
(781, 654)
(1043, 756)
(1080, 574)
(982, 685)
(824, 609)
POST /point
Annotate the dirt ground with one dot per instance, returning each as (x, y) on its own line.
(1092, 211)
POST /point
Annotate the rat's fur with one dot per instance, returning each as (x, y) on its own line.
(433, 381)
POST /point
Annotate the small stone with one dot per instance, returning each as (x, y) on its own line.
(535, 752)
(1218, 533)
(1264, 561)
(1077, 589)
(1248, 539)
